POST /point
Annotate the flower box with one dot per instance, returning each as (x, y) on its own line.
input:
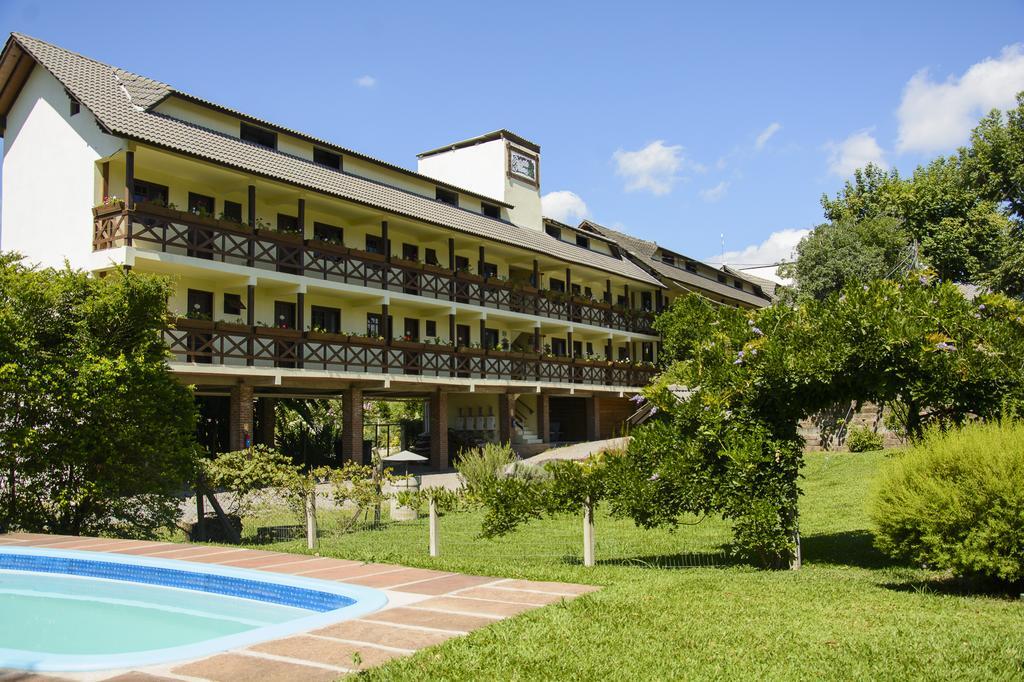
(526, 288)
(232, 327)
(365, 340)
(437, 347)
(366, 255)
(107, 209)
(193, 324)
(502, 353)
(469, 276)
(437, 269)
(408, 264)
(327, 337)
(468, 350)
(279, 333)
(407, 345)
(329, 249)
(278, 236)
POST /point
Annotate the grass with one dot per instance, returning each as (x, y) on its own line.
(849, 614)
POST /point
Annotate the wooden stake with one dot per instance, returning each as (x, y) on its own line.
(434, 535)
(588, 533)
(311, 534)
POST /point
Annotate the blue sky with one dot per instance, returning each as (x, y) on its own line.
(674, 121)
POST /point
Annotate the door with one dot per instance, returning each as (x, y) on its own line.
(200, 307)
(200, 239)
(284, 318)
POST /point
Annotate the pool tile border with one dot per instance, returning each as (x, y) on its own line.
(426, 607)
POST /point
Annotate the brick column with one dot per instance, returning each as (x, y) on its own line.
(240, 416)
(267, 421)
(439, 458)
(543, 418)
(593, 418)
(352, 425)
(505, 418)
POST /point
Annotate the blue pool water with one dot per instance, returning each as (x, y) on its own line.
(66, 610)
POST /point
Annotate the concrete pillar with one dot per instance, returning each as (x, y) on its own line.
(505, 401)
(439, 458)
(352, 425)
(240, 416)
(593, 417)
(267, 421)
(543, 418)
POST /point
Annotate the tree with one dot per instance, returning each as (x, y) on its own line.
(96, 436)
(835, 254)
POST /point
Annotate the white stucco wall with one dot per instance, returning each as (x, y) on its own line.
(479, 168)
(50, 175)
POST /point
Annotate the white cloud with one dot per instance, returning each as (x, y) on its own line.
(778, 247)
(767, 134)
(564, 206)
(713, 194)
(856, 151)
(654, 168)
(936, 117)
(366, 81)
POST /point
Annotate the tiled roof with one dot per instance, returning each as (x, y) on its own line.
(645, 252)
(767, 285)
(119, 100)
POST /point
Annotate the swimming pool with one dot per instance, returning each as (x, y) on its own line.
(65, 610)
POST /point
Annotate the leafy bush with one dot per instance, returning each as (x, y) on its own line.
(956, 502)
(863, 439)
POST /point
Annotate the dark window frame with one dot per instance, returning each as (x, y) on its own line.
(253, 134)
(195, 198)
(490, 210)
(582, 241)
(325, 318)
(233, 304)
(430, 330)
(149, 188)
(326, 232)
(446, 196)
(553, 231)
(232, 211)
(327, 158)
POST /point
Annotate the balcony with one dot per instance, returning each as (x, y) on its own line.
(230, 344)
(167, 230)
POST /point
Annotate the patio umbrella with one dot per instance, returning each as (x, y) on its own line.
(405, 456)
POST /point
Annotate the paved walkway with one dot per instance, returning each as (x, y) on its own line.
(425, 608)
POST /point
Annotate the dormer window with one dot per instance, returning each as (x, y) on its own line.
(583, 242)
(691, 266)
(553, 231)
(490, 210)
(721, 279)
(76, 106)
(326, 158)
(738, 284)
(447, 197)
(260, 136)
(668, 258)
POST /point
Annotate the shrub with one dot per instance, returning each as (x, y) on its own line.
(863, 439)
(956, 502)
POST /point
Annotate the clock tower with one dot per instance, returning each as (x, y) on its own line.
(500, 164)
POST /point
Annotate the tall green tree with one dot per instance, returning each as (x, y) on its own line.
(96, 436)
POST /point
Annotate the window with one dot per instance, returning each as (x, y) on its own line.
(325, 319)
(588, 292)
(646, 301)
(149, 192)
(620, 300)
(461, 263)
(326, 158)
(200, 304)
(233, 211)
(490, 338)
(284, 314)
(721, 278)
(233, 304)
(623, 354)
(577, 349)
(373, 325)
(489, 270)
(431, 330)
(668, 258)
(576, 289)
(288, 223)
(647, 351)
(374, 244)
(447, 197)
(558, 347)
(462, 335)
(76, 106)
(556, 284)
(553, 231)
(582, 241)
(328, 233)
(590, 348)
(410, 252)
(691, 266)
(430, 257)
(412, 329)
(200, 204)
(260, 136)
(490, 210)
(738, 284)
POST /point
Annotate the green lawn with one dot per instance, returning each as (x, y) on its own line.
(848, 614)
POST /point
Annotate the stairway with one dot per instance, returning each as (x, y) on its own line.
(525, 436)
(522, 434)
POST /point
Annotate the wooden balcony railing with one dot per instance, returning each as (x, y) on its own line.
(171, 231)
(206, 342)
